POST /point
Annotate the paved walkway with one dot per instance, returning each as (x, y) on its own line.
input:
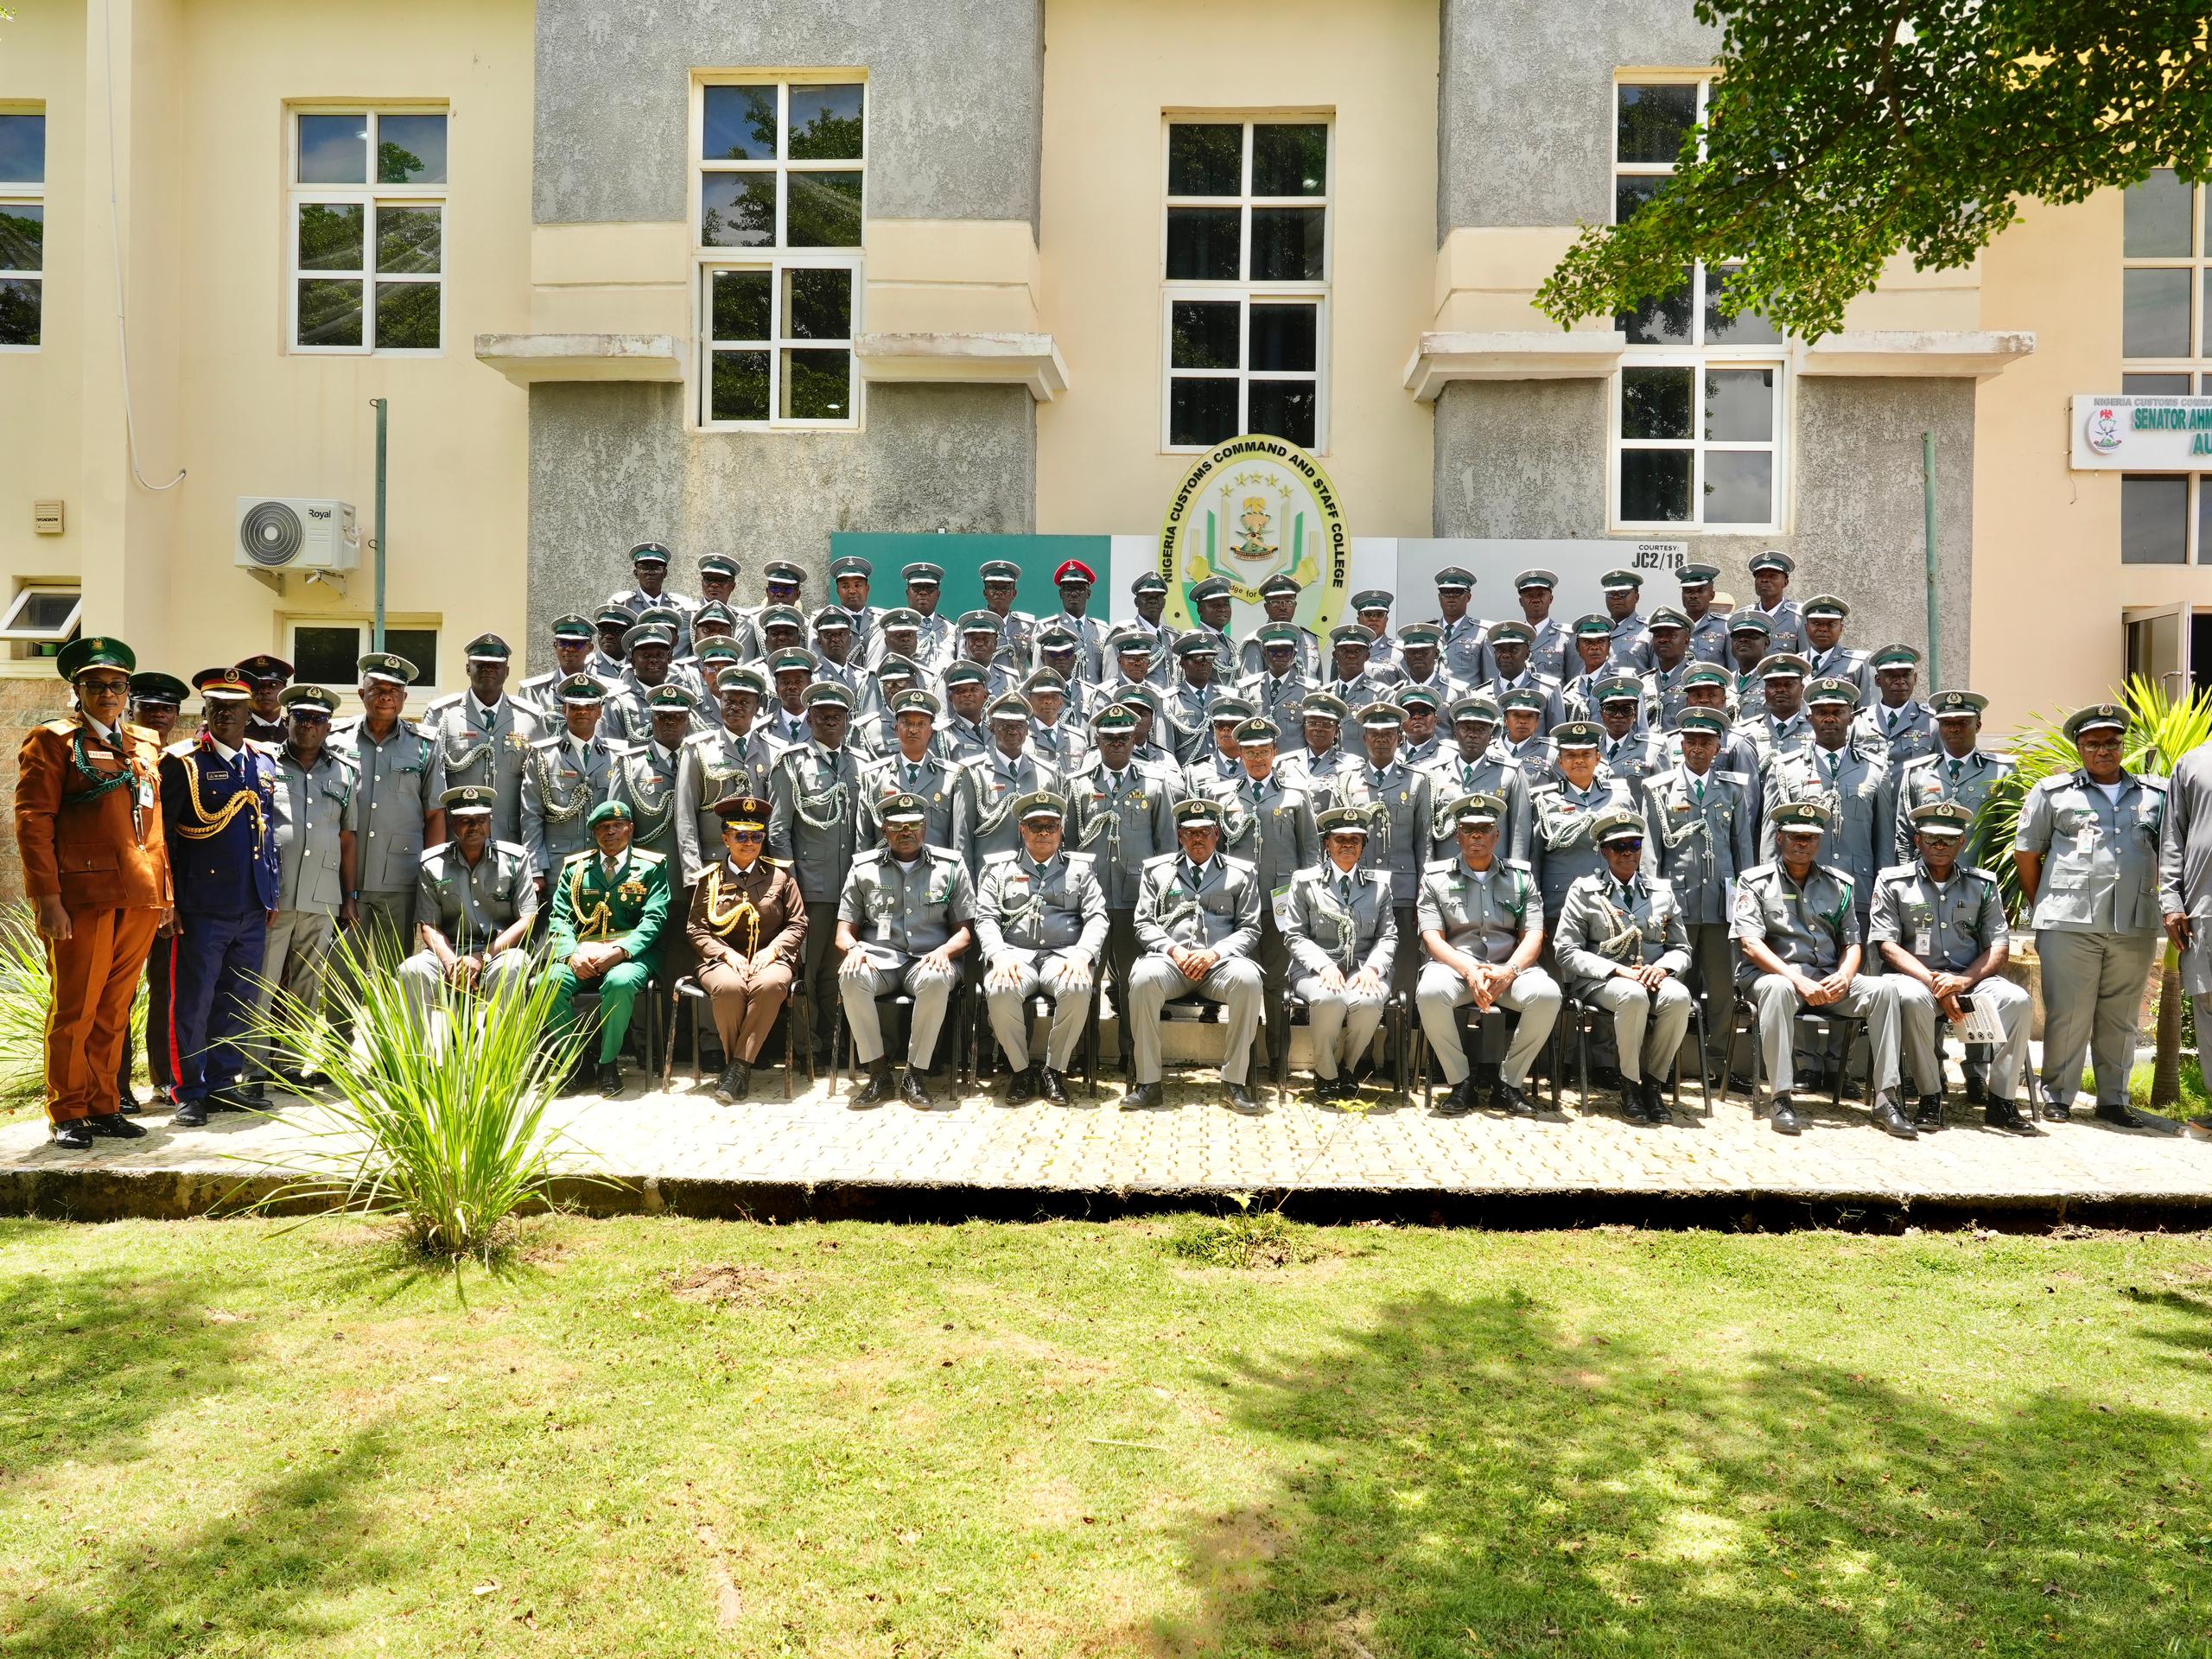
(684, 1140)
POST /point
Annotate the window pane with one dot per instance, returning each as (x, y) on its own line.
(1654, 121)
(1739, 405)
(1630, 193)
(1286, 244)
(1201, 243)
(330, 236)
(1290, 161)
(330, 312)
(817, 386)
(1656, 402)
(2155, 323)
(23, 148)
(737, 210)
(2157, 217)
(1284, 336)
(1662, 321)
(825, 210)
(410, 150)
(741, 304)
(1204, 334)
(817, 305)
(418, 646)
(1201, 411)
(2154, 385)
(825, 124)
(1739, 487)
(407, 239)
(738, 125)
(22, 236)
(407, 316)
(20, 299)
(331, 656)
(2153, 520)
(333, 150)
(1748, 328)
(1205, 159)
(741, 387)
(44, 612)
(1286, 408)
(1654, 485)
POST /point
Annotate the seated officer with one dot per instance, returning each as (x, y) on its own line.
(1798, 929)
(1343, 934)
(1040, 926)
(1622, 945)
(475, 904)
(610, 905)
(1941, 931)
(1197, 923)
(747, 927)
(915, 904)
(1482, 922)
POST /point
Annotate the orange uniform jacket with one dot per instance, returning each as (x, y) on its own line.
(100, 854)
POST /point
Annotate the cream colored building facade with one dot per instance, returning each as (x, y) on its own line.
(1001, 256)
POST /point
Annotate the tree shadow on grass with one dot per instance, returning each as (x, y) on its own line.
(1472, 1480)
(250, 1579)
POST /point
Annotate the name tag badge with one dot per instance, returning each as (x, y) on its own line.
(145, 793)
(1924, 944)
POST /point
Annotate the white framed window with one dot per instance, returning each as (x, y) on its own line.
(2165, 348)
(327, 650)
(42, 618)
(365, 231)
(1701, 400)
(23, 228)
(778, 211)
(1245, 267)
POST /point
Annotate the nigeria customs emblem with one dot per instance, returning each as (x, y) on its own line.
(1255, 507)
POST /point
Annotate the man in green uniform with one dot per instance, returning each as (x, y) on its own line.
(610, 905)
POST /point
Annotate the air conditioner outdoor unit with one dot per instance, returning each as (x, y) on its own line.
(282, 533)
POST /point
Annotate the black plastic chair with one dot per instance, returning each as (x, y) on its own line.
(645, 1019)
(1839, 1030)
(1580, 1013)
(691, 1002)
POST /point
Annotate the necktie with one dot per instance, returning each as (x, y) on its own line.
(1832, 760)
(913, 773)
(1344, 890)
(1701, 791)
(1956, 764)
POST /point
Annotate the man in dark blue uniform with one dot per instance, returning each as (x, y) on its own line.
(218, 794)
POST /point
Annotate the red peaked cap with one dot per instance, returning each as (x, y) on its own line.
(1075, 570)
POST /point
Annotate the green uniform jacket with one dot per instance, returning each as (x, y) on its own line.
(629, 911)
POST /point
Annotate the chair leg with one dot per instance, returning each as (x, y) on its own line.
(1578, 1014)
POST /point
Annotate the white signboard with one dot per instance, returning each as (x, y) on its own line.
(2142, 434)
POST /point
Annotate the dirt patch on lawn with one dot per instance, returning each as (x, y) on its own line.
(734, 1285)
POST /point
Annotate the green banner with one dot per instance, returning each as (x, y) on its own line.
(963, 558)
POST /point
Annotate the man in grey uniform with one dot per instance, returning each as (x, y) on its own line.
(1343, 941)
(1941, 929)
(398, 776)
(1631, 639)
(644, 778)
(1771, 574)
(1893, 716)
(1700, 835)
(1516, 671)
(1474, 765)
(2088, 849)
(316, 846)
(484, 735)
(572, 654)
(1708, 641)
(1622, 946)
(1831, 659)
(1009, 772)
(1797, 922)
(1122, 817)
(1459, 633)
(1282, 683)
(732, 759)
(1550, 649)
(648, 566)
(902, 920)
(1279, 600)
(1850, 781)
(1220, 762)
(2185, 876)
(814, 792)
(570, 773)
(854, 576)
(476, 904)
(1664, 699)
(1017, 629)
(1041, 928)
(1198, 921)
(1270, 824)
(1482, 923)
(915, 769)
(1400, 816)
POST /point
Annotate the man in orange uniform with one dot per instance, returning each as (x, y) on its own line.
(88, 821)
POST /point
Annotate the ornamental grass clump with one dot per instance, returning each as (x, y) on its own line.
(440, 1129)
(26, 992)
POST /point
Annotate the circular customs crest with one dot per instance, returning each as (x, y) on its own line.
(1255, 507)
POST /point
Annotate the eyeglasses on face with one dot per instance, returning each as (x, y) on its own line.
(746, 836)
(103, 688)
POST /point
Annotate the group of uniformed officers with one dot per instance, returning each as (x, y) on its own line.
(1634, 815)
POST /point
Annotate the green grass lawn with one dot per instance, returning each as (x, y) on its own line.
(655, 1437)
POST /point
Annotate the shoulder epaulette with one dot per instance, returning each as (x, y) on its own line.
(645, 854)
(1082, 860)
(1889, 870)
(1520, 864)
(514, 847)
(1243, 864)
(776, 863)
(576, 858)
(430, 853)
(1919, 760)
(1732, 777)
(937, 852)
(1759, 870)
(438, 705)
(143, 734)
(990, 859)
(62, 725)
(549, 742)
(181, 747)
(1161, 858)
(1439, 865)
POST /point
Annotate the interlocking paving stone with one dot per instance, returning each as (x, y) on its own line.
(1199, 1146)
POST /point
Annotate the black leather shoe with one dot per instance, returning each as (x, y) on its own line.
(1889, 1120)
(191, 1115)
(1325, 1092)
(1056, 1086)
(1022, 1086)
(228, 1100)
(2004, 1115)
(2125, 1117)
(1781, 1116)
(1142, 1098)
(113, 1126)
(1656, 1112)
(1506, 1098)
(73, 1137)
(1977, 1090)
(127, 1104)
(610, 1078)
(915, 1091)
(1458, 1101)
(1928, 1112)
(878, 1087)
(1241, 1101)
(2055, 1113)
(1633, 1102)
(734, 1084)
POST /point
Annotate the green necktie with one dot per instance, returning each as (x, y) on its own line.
(1955, 765)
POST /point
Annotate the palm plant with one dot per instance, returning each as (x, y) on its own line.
(442, 1130)
(2162, 728)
